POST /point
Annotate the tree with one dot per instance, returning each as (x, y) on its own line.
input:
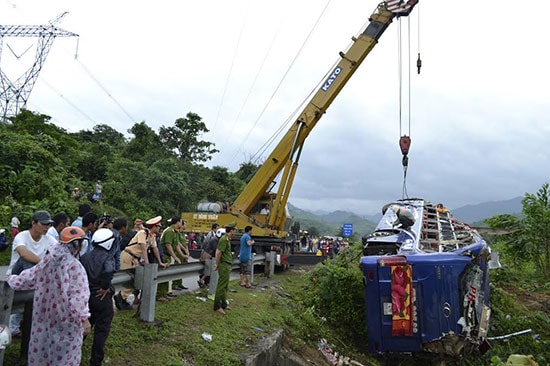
(183, 139)
(142, 176)
(246, 171)
(510, 244)
(146, 146)
(102, 134)
(313, 231)
(30, 159)
(531, 242)
(216, 184)
(536, 209)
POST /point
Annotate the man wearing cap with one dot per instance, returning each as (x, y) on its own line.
(224, 259)
(171, 239)
(135, 252)
(29, 247)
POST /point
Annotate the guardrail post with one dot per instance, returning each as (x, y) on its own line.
(26, 329)
(270, 265)
(252, 270)
(146, 281)
(6, 301)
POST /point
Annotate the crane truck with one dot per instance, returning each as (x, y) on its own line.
(273, 230)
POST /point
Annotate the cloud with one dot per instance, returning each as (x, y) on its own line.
(478, 111)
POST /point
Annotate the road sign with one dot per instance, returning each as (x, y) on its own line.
(347, 230)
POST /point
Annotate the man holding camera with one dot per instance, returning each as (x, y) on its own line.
(90, 223)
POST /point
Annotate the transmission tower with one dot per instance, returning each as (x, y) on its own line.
(14, 95)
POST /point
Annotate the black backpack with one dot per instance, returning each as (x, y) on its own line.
(126, 239)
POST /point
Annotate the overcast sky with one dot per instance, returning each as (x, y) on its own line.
(479, 110)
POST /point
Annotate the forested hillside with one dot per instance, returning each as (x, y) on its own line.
(151, 173)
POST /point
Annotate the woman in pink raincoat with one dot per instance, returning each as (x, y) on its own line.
(60, 307)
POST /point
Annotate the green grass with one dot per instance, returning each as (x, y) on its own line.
(175, 337)
(5, 256)
(282, 303)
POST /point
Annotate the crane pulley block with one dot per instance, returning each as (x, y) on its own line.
(405, 144)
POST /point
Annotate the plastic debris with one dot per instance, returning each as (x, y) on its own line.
(521, 360)
(326, 350)
(207, 337)
(258, 329)
(203, 299)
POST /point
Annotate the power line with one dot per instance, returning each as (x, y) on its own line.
(132, 119)
(231, 67)
(69, 102)
(281, 81)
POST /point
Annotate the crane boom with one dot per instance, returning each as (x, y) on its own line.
(272, 228)
(284, 158)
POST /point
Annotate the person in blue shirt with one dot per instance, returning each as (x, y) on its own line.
(245, 257)
(83, 209)
(3, 240)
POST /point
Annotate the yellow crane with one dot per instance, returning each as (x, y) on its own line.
(258, 205)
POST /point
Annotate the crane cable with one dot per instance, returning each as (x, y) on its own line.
(257, 155)
(405, 139)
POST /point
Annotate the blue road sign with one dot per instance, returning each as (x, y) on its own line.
(347, 230)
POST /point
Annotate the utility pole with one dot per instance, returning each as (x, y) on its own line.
(14, 95)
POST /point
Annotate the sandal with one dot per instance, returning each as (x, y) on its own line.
(248, 286)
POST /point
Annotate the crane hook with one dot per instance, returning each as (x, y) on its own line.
(405, 144)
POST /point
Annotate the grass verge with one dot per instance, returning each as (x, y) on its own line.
(175, 338)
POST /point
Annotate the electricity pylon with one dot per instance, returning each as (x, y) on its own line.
(14, 95)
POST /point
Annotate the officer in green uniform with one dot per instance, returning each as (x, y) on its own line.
(223, 266)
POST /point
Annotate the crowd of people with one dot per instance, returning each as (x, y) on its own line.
(322, 246)
(93, 196)
(70, 267)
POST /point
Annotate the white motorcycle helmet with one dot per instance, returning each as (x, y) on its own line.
(220, 232)
(103, 238)
(5, 336)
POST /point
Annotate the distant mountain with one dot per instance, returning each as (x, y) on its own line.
(331, 223)
(485, 210)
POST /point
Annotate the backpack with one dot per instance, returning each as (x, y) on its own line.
(209, 246)
(126, 239)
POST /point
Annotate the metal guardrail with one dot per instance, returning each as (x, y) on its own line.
(145, 278)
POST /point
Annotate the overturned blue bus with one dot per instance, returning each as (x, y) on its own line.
(426, 278)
